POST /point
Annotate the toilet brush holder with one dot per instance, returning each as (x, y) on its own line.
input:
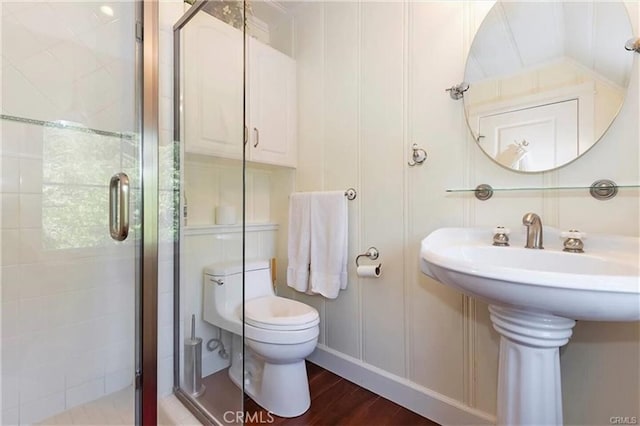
(193, 363)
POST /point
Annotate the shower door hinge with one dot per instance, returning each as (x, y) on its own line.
(138, 379)
(139, 31)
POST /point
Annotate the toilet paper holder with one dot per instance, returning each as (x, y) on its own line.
(372, 253)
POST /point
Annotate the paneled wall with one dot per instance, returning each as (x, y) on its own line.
(371, 81)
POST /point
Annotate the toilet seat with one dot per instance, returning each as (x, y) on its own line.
(279, 314)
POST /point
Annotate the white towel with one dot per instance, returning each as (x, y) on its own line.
(299, 244)
(329, 235)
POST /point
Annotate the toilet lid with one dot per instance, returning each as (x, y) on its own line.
(278, 313)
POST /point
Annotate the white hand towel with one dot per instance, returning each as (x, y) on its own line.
(299, 242)
(329, 235)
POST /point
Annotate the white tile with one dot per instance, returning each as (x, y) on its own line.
(12, 136)
(118, 379)
(11, 319)
(165, 341)
(165, 309)
(10, 416)
(165, 376)
(33, 314)
(10, 391)
(13, 7)
(23, 99)
(24, 43)
(43, 20)
(40, 409)
(76, 59)
(10, 210)
(84, 367)
(39, 382)
(30, 245)
(47, 74)
(86, 392)
(10, 174)
(10, 240)
(95, 91)
(10, 281)
(30, 175)
(30, 211)
(165, 277)
(119, 356)
(79, 17)
(112, 41)
(45, 347)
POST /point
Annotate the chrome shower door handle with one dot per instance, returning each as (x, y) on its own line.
(257, 132)
(119, 206)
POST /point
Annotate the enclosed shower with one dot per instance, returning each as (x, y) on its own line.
(79, 249)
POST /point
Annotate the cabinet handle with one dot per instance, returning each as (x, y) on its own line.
(255, 129)
(119, 206)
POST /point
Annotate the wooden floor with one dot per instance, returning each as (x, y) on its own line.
(337, 402)
(334, 402)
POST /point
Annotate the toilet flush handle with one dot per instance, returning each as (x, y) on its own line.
(219, 282)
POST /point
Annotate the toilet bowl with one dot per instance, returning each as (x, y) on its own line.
(279, 334)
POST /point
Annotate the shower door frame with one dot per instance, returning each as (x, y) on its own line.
(146, 381)
(147, 352)
(195, 8)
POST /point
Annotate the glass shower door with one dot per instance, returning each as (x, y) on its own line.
(71, 216)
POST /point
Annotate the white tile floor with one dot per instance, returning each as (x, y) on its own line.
(118, 409)
(114, 409)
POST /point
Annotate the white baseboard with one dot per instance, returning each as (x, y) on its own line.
(427, 403)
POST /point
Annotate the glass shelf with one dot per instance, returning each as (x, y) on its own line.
(601, 189)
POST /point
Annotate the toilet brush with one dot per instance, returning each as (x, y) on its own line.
(193, 362)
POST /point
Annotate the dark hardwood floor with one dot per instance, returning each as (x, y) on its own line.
(338, 402)
(334, 402)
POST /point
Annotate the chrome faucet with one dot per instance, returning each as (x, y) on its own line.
(534, 230)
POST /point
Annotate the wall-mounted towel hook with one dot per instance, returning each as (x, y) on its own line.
(418, 156)
(372, 253)
(633, 45)
(457, 92)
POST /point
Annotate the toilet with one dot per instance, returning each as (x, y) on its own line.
(279, 334)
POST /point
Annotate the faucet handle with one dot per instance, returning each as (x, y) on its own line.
(573, 241)
(573, 233)
(501, 236)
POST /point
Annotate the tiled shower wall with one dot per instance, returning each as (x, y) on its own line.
(67, 289)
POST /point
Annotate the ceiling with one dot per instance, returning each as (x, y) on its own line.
(519, 36)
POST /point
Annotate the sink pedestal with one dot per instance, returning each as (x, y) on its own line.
(529, 386)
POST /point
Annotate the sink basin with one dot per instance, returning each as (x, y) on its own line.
(534, 298)
(601, 284)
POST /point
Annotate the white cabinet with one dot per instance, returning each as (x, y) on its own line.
(213, 88)
(272, 106)
(213, 95)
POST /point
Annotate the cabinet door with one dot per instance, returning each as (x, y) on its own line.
(272, 102)
(213, 88)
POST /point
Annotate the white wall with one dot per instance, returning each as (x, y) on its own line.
(371, 80)
(67, 288)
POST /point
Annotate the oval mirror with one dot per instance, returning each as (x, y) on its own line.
(547, 79)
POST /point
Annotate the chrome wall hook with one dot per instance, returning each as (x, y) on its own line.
(418, 156)
(457, 92)
(633, 45)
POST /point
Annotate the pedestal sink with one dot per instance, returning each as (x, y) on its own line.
(534, 298)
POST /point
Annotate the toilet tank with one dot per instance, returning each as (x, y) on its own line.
(222, 302)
